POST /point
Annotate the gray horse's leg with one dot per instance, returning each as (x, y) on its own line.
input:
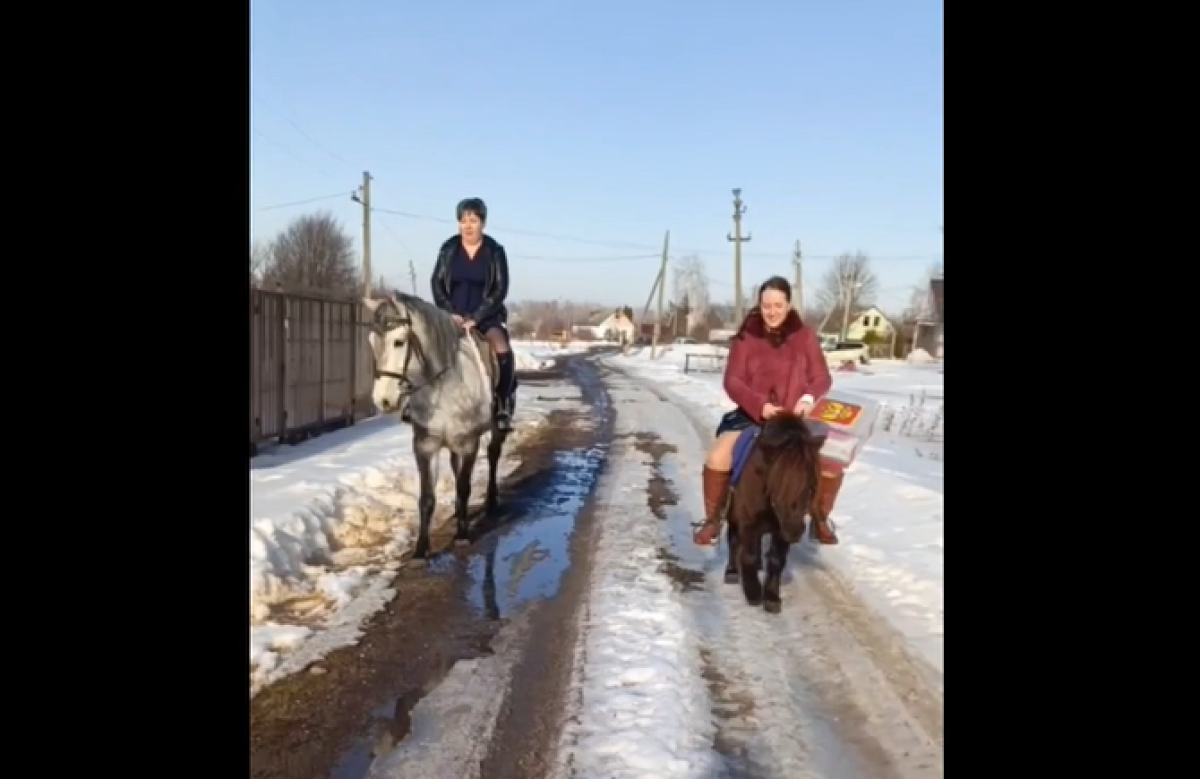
(494, 450)
(463, 466)
(426, 450)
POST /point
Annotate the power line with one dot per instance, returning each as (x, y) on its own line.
(782, 256)
(295, 203)
(292, 154)
(303, 134)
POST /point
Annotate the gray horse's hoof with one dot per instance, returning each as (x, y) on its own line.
(731, 577)
(772, 606)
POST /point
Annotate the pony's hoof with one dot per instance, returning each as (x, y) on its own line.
(772, 606)
(754, 601)
(732, 577)
(462, 543)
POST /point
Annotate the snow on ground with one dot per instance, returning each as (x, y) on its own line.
(540, 355)
(890, 513)
(328, 520)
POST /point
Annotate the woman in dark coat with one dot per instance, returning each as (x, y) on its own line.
(470, 280)
(775, 363)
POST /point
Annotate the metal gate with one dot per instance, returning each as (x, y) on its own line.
(310, 366)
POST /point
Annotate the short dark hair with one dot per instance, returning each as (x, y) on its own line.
(472, 205)
(777, 283)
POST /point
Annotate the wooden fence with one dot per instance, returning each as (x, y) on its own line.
(311, 368)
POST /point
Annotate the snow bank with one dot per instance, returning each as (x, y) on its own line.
(890, 513)
(529, 361)
(328, 519)
(919, 356)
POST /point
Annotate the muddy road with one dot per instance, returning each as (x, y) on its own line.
(506, 604)
(583, 636)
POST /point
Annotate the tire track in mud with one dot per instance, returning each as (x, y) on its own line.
(854, 702)
(333, 719)
(732, 706)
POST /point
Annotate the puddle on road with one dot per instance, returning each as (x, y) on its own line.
(522, 556)
(526, 560)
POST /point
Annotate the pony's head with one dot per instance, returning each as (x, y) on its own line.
(792, 455)
(413, 342)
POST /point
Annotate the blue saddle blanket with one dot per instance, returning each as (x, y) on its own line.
(741, 452)
(745, 445)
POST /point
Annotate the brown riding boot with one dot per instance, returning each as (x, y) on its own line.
(827, 492)
(716, 494)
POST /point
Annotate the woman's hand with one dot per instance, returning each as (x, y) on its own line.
(468, 324)
(458, 320)
(803, 406)
(770, 410)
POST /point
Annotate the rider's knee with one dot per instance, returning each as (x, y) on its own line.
(498, 340)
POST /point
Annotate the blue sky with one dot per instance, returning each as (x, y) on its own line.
(592, 128)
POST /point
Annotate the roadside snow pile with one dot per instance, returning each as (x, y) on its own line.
(920, 357)
(328, 521)
(527, 361)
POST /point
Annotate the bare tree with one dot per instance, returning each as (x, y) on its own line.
(847, 287)
(691, 284)
(313, 255)
(920, 307)
(260, 253)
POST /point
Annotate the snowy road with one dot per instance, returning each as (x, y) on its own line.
(587, 638)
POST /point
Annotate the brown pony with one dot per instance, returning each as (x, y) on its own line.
(776, 489)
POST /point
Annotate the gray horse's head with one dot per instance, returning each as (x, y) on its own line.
(413, 342)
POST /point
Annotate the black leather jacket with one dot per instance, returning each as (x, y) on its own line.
(495, 290)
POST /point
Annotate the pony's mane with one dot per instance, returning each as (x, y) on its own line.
(438, 335)
(792, 449)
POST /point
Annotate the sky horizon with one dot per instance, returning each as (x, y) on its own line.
(591, 130)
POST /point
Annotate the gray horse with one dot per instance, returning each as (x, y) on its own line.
(447, 380)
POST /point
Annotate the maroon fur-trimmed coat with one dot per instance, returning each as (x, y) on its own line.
(780, 366)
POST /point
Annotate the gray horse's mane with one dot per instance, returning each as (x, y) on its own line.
(439, 337)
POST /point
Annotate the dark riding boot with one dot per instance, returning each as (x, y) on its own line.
(827, 492)
(716, 495)
(504, 391)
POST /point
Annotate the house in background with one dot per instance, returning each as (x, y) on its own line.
(861, 323)
(616, 326)
(866, 321)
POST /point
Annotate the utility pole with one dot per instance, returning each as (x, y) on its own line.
(798, 285)
(737, 240)
(662, 288)
(412, 273)
(363, 196)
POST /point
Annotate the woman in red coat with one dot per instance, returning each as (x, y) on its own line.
(775, 364)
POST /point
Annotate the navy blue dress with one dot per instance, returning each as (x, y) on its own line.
(468, 280)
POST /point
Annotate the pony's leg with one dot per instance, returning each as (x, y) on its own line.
(463, 468)
(776, 560)
(426, 451)
(494, 450)
(731, 564)
(749, 551)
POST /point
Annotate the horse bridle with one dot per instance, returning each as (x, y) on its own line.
(384, 324)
